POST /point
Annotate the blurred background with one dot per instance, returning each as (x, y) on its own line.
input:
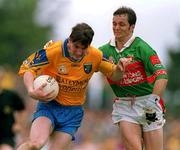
(26, 25)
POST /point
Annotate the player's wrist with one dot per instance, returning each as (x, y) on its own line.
(30, 91)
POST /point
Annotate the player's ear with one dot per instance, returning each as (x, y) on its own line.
(132, 28)
(69, 39)
(68, 43)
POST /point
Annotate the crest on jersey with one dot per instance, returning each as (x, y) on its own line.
(155, 60)
(87, 67)
(62, 69)
(39, 59)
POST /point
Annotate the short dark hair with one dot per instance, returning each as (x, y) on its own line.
(82, 33)
(129, 11)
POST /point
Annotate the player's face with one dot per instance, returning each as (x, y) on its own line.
(76, 50)
(121, 27)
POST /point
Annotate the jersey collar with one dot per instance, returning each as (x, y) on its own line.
(65, 48)
(127, 44)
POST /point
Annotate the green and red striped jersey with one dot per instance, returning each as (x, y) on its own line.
(143, 71)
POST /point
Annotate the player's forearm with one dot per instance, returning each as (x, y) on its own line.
(28, 81)
(159, 87)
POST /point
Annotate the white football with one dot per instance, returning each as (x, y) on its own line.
(52, 85)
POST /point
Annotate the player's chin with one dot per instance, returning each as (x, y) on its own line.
(117, 34)
(79, 56)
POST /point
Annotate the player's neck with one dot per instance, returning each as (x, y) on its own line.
(120, 42)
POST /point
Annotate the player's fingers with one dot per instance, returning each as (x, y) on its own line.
(120, 67)
(124, 62)
(42, 86)
(50, 93)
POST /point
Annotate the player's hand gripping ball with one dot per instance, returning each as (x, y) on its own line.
(52, 85)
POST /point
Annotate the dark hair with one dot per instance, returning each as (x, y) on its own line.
(126, 10)
(82, 33)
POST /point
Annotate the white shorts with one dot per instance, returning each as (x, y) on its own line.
(144, 110)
